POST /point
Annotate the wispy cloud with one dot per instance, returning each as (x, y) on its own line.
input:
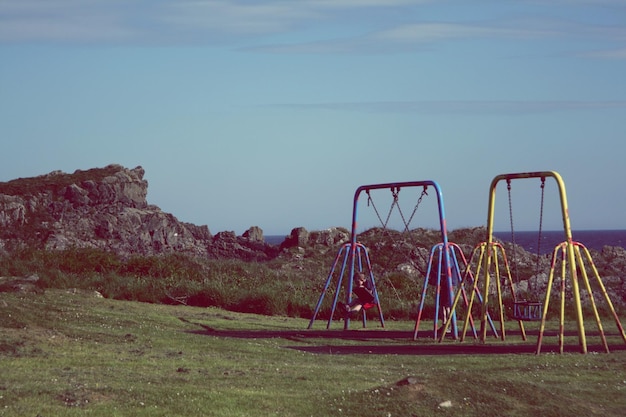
(496, 107)
(189, 21)
(436, 31)
(425, 34)
(68, 21)
(280, 26)
(608, 54)
(233, 18)
(413, 36)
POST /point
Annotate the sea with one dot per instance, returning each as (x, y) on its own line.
(591, 239)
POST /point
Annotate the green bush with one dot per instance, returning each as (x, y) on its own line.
(262, 288)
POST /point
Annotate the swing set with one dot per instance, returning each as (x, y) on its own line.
(450, 269)
(354, 256)
(568, 255)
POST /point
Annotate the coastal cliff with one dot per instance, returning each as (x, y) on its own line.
(106, 208)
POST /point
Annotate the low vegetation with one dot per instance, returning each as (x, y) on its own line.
(71, 352)
(275, 288)
(265, 288)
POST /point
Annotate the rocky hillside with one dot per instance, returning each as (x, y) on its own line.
(106, 208)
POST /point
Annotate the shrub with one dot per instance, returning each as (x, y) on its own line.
(262, 288)
(259, 303)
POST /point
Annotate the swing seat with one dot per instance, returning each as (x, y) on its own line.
(527, 310)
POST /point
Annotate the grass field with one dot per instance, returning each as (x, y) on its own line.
(66, 353)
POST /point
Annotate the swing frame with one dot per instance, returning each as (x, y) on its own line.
(437, 258)
(362, 255)
(351, 257)
(571, 258)
(523, 310)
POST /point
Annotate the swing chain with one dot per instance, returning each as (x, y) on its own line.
(407, 223)
(508, 187)
(543, 186)
(380, 219)
(537, 264)
(394, 192)
(419, 200)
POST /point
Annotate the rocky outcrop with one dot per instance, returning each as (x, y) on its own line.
(331, 237)
(106, 208)
(249, 247)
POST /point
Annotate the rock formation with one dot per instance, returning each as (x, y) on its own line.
(106, 208)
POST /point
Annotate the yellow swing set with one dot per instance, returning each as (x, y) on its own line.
(567, 255)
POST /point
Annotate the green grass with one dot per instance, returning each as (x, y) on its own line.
(66, 353)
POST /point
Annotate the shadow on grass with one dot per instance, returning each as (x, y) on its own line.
(395, 342)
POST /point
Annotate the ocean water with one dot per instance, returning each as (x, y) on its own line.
(591, 239)
(274, 239)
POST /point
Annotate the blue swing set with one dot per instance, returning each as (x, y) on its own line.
(354, 256)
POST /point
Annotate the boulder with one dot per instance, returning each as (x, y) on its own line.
(299, 236)
(254, 234)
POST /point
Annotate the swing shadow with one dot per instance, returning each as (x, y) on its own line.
(426, 347)
(447, 349)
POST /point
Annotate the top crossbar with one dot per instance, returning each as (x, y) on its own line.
(539, 174)
(398, 186)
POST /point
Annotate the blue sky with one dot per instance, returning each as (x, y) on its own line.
(272, 113)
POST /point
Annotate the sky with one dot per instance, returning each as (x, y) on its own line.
(273, 113)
